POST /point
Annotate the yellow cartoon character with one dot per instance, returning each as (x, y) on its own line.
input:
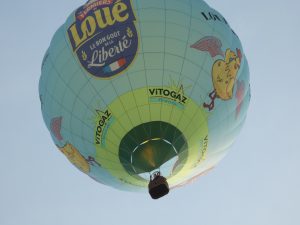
(224, 71)
(75, 157)
(224, 74)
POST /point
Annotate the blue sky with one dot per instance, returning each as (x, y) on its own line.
(256, 184)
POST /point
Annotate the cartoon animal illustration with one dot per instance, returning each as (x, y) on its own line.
(224, 71)
(75, 157)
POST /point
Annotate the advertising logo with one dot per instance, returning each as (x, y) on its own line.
(104, 37)
(104, 120)
(173, 95)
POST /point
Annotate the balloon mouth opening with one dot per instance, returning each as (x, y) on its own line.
(151, 146)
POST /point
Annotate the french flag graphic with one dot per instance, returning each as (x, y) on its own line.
(115, 66)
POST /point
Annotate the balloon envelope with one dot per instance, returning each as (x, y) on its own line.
(131, 87)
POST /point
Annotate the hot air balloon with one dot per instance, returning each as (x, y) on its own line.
(144, 95)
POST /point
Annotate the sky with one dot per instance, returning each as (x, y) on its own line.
(256, 184)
